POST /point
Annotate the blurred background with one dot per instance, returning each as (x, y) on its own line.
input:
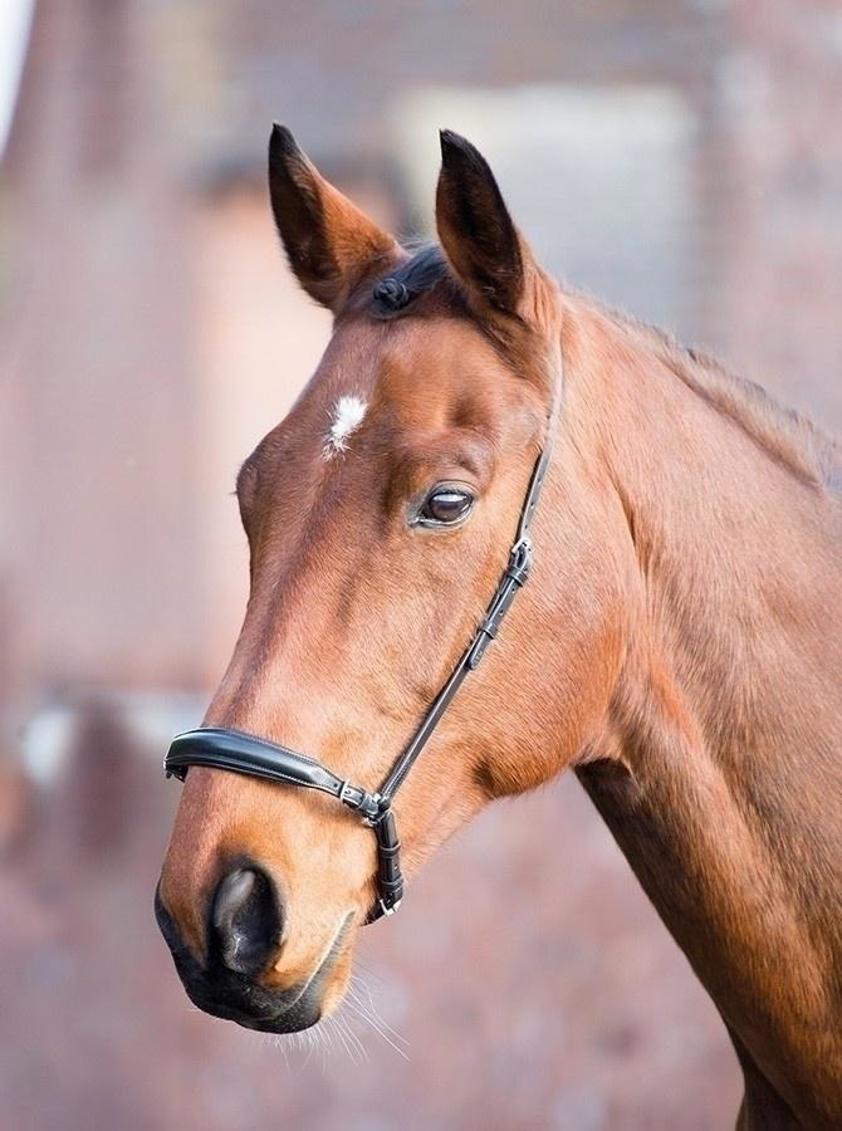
(681, 158)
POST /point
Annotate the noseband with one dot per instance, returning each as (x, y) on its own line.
(233, 750)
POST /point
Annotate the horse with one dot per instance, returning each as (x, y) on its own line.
(678, 645)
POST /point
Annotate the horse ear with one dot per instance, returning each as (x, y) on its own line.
(478, 235)
(329, 242)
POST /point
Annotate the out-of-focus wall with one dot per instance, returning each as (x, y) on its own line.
(102, 481)
(779, 88)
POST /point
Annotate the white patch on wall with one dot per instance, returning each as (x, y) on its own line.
(348, 413)
(601, 179)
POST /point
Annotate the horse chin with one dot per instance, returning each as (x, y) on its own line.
(303, 1015)
(254, 1002)
(319, 999)
(267, 1011)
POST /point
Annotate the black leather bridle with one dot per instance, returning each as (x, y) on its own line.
(224, 749)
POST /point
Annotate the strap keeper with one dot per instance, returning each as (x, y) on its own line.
(489, 627)
(520, 561)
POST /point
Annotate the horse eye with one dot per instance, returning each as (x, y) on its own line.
(445, 505)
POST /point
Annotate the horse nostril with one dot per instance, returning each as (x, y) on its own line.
(246, 920)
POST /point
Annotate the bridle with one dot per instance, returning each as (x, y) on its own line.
(224, 749)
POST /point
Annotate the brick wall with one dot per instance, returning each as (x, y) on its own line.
(780, 89)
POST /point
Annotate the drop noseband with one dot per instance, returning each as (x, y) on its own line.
(233, 750)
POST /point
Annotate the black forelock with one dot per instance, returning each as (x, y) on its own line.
(426, 270)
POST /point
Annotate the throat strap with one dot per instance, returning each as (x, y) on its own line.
(515, 576)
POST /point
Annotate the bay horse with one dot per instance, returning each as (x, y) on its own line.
(679, 644)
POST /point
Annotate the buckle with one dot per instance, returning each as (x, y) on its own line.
(520, 560)
(369, 807)
(391, 909)
(362, 802)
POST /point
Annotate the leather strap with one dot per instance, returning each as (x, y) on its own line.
(241, 753)
(514, 578)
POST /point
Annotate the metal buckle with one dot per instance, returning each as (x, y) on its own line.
(371, 819)
(389, 910)
(361, 801)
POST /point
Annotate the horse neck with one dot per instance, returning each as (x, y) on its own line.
(718, 769)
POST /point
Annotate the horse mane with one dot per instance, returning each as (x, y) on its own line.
(786, 435)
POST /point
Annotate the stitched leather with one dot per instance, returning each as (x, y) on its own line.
(248, 754)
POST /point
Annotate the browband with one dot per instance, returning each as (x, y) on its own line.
(223, 749)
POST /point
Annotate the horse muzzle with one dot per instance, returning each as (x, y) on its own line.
(245, 925)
